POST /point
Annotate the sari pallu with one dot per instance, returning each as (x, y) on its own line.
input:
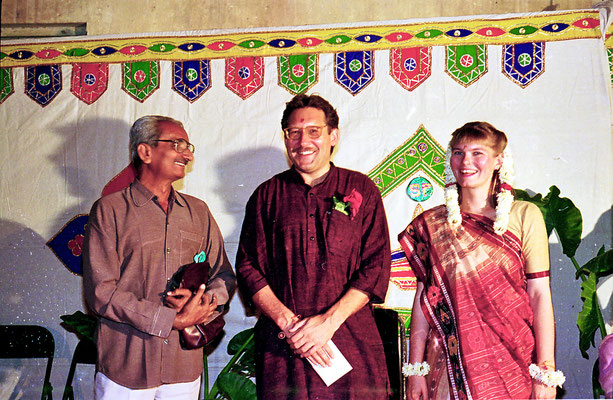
(476, 303)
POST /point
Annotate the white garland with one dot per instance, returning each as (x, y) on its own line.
(547, 378)
(415, 369)
(454, 216)
(504, 198)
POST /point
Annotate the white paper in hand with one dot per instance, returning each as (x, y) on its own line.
(340, 366)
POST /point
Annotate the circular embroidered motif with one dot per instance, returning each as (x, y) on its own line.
(419, 189)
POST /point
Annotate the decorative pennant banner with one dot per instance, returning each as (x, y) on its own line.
(419, 153)
(411, 66)
(354, 70)
(89, 81)
(523, 62)
(244, 75)
(67, 243)
(43, 83)
(140, 78)
(465, 64)
(610, 57)
(191, 78)
(401, 274)
(298, 73)
(6, 83)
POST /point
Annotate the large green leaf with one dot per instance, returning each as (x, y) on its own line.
(245, 363)
(561, 214)
(587, 320)
(83, 324)
(239, 340)
(601, 265)
(236, 387)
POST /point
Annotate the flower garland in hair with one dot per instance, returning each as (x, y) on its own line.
(504, 198)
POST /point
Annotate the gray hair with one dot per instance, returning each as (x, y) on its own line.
(146, 130)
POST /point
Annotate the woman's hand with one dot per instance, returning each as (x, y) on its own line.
(417, 388)
(540, 391)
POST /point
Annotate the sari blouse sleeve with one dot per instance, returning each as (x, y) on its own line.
(528, 224)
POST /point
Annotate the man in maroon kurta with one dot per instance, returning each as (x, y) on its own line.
(314, 254)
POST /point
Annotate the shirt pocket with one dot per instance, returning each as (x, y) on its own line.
(191, 244)
(342, 233)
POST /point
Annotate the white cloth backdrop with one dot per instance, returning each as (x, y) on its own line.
(55, 161)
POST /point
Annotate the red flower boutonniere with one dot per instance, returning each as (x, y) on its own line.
(350, 205)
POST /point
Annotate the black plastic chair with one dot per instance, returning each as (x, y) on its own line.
(29, 341)
(84, 353)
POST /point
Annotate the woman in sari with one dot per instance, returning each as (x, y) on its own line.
(482, 324)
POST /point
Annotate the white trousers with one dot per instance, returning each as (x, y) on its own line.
(106, 389)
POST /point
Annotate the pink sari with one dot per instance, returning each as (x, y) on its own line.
(477, 306)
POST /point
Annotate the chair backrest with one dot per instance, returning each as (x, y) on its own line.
(29, 341)
(26, 341)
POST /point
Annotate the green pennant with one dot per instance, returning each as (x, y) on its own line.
(298, 73)
(6, 83)
(466, 63)
(141, 78)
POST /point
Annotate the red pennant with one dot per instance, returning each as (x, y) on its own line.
(89, 81)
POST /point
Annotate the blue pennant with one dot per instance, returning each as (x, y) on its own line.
(43, 83)
(523, 62)
(191, 78)
(354, 70)
(67, 243)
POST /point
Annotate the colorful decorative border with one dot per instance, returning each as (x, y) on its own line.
(541, 27)
(420, 152)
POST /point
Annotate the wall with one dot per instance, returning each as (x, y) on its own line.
(119, 16)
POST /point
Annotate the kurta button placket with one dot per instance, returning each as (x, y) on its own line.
(311, 205)
(165, 341)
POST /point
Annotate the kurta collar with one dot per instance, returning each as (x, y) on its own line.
(141, 195)
(296, 175)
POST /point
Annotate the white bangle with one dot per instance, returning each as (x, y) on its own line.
(547, 378)
(415, 369)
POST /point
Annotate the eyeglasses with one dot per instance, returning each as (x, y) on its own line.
(180, 145)
(296, 133)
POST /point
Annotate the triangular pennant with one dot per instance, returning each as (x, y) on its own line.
(6, 83)
(421, 152)
(43, 83)
(354, 70)
(523, 62)
(411, 66)
(298, 73)
(67, 243)
(244, 75)
(466, 63)
(191, 78)
(140, 78)
(89, 81)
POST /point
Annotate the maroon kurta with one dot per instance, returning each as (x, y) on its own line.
(310, 255)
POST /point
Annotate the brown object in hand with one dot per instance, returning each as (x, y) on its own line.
(191, 277)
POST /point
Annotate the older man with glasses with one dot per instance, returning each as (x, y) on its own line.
(136, 239)
(314, 254)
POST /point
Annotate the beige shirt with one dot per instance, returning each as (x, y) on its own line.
(131, 249)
